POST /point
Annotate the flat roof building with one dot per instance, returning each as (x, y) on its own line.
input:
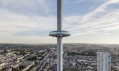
(103, 61)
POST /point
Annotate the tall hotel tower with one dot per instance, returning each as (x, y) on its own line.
(59, 34)
(103, 61)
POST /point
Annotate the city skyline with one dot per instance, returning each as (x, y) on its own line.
(93, 21)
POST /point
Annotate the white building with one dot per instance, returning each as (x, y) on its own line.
(103, 61)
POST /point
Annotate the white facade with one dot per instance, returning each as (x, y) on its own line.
(103, 61)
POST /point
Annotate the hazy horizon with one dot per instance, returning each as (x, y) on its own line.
(30, 21)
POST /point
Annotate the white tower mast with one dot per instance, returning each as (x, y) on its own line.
(59, 34)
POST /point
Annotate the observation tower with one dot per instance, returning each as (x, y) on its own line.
(59, 34)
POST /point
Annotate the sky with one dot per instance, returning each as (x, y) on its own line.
(88, 21)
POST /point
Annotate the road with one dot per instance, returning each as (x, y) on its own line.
(42, 64)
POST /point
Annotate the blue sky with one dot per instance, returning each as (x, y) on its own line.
(30, 21)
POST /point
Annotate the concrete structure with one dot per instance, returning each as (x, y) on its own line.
(103, 61)
(59, 34)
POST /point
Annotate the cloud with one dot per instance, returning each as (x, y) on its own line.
(6, 3)
(70, 22)
(12, 23)
(107, 23)
(114, 1)
(27, 39)
(25, 5)
(79, 1)
(97, 21)
(25, 28)
(10, 19)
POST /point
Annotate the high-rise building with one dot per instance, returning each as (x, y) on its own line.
(103, 61)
